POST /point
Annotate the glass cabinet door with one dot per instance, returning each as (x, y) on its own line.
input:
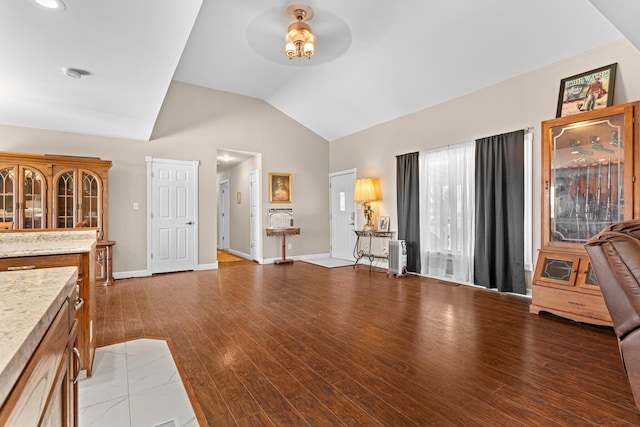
(64, 198)
(558, 269)
(33, 199)
(90, 203)
(7, 194)
(587, 178)
(587, 278)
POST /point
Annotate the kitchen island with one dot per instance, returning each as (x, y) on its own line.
(37, 336)
(35, 249)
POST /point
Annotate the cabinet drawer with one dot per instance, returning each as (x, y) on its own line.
(47, 261)
(566, 301)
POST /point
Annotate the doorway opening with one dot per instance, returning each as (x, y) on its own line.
(239, 204)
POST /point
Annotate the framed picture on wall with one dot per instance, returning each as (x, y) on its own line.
(587, 91)
(383, 223)
(280, 187)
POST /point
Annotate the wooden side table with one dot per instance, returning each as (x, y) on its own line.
(284, 232)
(104, 268)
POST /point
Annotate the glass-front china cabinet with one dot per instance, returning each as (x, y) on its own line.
(42, 191)
(22, 197)
(589, 169)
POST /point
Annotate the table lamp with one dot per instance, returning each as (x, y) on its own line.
(365, 193)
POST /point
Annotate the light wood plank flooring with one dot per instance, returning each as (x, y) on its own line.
(300, 344)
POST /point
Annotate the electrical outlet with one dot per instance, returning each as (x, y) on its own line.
(136, 206)
(288, 245)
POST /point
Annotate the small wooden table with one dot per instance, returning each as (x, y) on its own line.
(284, 232)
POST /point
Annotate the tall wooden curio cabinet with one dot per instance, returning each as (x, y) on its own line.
(42, 191)
(589, 171)
(590, 166)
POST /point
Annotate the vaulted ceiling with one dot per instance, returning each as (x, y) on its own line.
(376, 60)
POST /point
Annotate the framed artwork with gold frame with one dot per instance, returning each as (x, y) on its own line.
(279, 187)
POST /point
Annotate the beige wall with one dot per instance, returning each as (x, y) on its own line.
(514, 104)
(193, 123)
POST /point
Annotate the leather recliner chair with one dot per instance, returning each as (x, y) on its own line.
(615, 260)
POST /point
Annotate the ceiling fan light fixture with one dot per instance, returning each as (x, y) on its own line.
(300, 40)
(51, 4)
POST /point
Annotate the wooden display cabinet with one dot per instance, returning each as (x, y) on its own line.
(589, 166)
(43, 191)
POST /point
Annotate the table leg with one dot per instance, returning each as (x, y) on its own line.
(284, 259)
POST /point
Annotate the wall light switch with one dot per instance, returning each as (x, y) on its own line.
(136, 206)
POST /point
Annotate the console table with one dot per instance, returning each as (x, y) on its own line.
(284, 232)
(359, 253)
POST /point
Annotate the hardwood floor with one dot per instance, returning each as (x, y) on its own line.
(301, 344)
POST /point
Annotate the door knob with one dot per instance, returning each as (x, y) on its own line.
(190, 223)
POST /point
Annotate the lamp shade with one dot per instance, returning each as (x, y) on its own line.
(365, 191)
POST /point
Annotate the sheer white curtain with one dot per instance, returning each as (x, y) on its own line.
(447, 211)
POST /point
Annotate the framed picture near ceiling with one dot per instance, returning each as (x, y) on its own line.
(587, 91)
(280, 187)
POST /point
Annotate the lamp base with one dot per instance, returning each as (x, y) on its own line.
(369, 227)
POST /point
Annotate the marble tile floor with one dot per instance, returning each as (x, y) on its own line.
(329, 262)
(134, 384)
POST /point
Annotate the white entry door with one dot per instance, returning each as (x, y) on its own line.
(343, 214)
(254, 208)
(172, 215)
(224, 228)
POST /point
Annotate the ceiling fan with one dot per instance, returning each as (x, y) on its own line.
(266, 35)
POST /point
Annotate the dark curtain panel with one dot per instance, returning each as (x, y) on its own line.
(408, 207)
(499, 242)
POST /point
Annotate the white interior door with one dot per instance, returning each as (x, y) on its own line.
(223, 216)
(343, 214)
(254, 226)
(173, 215)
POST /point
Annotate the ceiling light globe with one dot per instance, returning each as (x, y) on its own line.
(309, 48)
(290, 49)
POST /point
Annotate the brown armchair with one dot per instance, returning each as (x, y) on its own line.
(615, 259)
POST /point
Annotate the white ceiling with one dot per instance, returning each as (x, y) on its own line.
(376, 60)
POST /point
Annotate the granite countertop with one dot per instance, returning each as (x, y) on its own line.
(30, 301)
(30, 243)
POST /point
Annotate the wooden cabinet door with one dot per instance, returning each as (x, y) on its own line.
(8, 194)
(32, 212)
(557, 269)
(28, 402)
(586, 278)
(90, 200)
(65, 206)
(78, 200)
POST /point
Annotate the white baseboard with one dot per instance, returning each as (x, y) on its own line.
(147, 273)
(240, 254)
(130, 274)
